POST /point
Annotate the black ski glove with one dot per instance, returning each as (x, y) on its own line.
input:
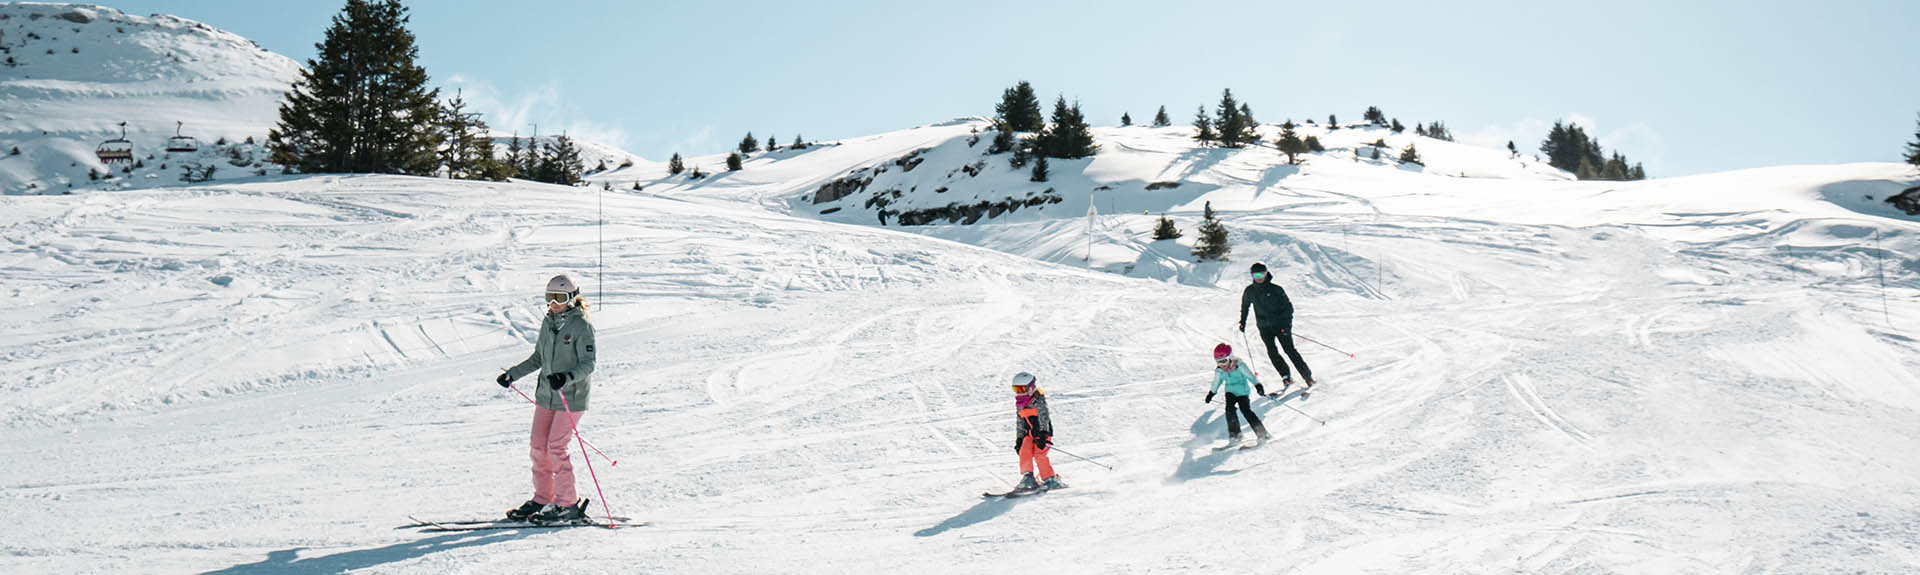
(556, 380)
(1209, 397)
(503, 380)
(1260, 389)
(1042, 441)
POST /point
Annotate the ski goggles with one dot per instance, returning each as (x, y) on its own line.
(554, 297)
(1017, 388)
(1223, 362)
(1259, 275)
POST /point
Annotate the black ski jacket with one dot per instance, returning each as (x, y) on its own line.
(1270, 303)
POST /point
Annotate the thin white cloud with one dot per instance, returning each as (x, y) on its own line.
(543, 105)
(701, 139)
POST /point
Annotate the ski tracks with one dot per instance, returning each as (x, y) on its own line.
(1522, 389)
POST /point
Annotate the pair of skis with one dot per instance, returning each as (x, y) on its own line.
(1017, 493)
(491, 524)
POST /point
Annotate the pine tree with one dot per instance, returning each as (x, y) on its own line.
(1438, 131)
(772, 144)
(1019, 108)
(1022, 152)
(733, 162)
(563, 165)
(1333, 122)
(1229, 126)
(514, 151)
(1913, 148)
(748, 144)
(1125, 120)
(1202, 127)
(467, 151)
(1313, 145)
(1638, 173)
(1039, 170)
(675, 165)
(1002, 138)
(1586, 169)
(1397, 127)
(1290, 144)
(1160, 119)
(1410, 155)
(1165, 230)
(1375, 116)
(362, 105)
(798, 144)
(1513, 150)
(1213, 237)
(534, 161)
(1419, 129)
(1068, 136)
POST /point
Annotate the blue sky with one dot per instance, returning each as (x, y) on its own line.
(1685, 87)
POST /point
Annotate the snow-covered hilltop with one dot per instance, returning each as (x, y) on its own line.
(74, 72)
(70, 74)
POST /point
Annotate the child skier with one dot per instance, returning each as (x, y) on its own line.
(1033, 434)
(1232, 373)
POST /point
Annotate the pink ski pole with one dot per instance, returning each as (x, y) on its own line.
(576, 433)
(596, 478)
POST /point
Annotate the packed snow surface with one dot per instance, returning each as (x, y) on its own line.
(274, 374)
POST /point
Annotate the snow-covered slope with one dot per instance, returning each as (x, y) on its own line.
(271, 375)
(71, 73)
(80, 70)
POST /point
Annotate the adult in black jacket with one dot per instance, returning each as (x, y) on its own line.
(1275, 320)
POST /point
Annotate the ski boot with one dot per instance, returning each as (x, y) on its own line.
(556, 514)
(524, 511)
(1027, 483)
(1286, 382)
(1053, 483)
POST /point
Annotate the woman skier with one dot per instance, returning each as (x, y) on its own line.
(563, 354)
(1232, 373)
(1033, 434)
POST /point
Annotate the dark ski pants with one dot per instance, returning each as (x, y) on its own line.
(1268, 335)
(1244, 406)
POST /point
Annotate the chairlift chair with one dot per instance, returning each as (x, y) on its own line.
(180, 143)
(116, 150)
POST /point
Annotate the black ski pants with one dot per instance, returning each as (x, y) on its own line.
(1236, 406)
(1268, 335)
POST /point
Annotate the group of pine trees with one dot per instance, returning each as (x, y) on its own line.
(1568, 147)
(748, 145)
(362, 105)
(554, 161)
(1231, 125)
(1066, 136)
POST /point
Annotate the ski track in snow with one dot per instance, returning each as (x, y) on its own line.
(271, 375)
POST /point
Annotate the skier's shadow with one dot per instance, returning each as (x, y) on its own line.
(980, 513)
(286, 560)
(1199, 459)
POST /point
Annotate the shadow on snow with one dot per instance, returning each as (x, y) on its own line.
(286, 560)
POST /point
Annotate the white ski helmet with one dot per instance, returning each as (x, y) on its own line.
(561, 284)
(1023, 380)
